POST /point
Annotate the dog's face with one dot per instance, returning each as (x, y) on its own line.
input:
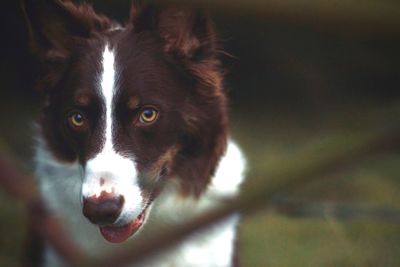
(134, 105)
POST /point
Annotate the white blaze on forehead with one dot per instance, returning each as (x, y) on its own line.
(107, 89)
(109, 171)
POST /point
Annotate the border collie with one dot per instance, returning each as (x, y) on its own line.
(133, 138)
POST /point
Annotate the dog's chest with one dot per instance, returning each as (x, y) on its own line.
(60, 185)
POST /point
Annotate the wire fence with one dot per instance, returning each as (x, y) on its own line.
(263, 195)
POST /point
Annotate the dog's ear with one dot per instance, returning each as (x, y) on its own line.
(54, 28)
(188, 37)
(187, 33)
(54, 25)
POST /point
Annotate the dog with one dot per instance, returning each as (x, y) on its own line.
(133, 135)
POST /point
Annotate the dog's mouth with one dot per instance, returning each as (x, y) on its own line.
(118, 233)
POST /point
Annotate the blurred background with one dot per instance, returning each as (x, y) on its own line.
(303, 77)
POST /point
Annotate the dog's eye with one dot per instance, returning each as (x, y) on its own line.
(148, 116)
(77, 121)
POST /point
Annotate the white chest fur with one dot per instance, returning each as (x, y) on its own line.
(60, 185)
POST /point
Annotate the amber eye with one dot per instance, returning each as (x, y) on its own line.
(148, 116)
(76, 120)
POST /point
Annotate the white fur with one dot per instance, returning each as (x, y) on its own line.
(60, 185)
(117, 173)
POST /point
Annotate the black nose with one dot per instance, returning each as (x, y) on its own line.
(103, 210)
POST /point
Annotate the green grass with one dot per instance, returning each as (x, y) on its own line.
(270, 239)
(273, 240)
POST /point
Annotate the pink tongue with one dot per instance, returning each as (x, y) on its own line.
(115, 234)
(118, 234)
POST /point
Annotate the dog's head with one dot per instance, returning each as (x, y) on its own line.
(135, 105)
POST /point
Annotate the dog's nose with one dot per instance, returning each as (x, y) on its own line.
(103, 210)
